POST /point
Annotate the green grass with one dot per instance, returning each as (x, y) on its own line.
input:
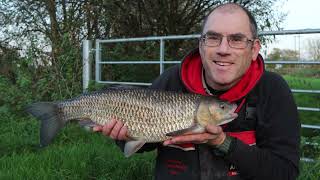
(309, 171)
(298, 82)
(304, 99)
(79, 154)
(75, 154)
(307, 117)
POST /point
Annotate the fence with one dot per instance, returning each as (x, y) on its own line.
(88, 51)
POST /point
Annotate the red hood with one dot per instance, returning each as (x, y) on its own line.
(191, 75)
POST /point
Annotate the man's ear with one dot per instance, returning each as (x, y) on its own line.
(256, 46)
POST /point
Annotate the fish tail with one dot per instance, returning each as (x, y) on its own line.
(50, 120)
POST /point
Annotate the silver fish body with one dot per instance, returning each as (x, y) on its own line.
(150, 115)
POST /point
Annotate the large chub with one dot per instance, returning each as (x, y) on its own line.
(51, 122)
(151, 116)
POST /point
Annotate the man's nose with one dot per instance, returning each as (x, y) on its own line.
(224, 47)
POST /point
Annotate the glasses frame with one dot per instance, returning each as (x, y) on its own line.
(203, 38)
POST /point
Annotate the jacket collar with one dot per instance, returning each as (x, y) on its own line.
(191, 76)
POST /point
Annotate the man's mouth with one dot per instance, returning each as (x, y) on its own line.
(222, 63)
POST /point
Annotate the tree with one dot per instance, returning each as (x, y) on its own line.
(48, 20)
(283, 54)
(313, 47)
(8, 56)
(51, 31)
(176, 17)
(161, 17)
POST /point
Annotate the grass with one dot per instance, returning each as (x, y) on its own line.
(307, 117)
(78, 154)
(75, 154)
(306, 100)
(309, 171)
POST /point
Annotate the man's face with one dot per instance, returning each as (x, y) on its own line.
(224, 65)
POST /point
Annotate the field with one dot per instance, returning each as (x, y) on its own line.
(79, 154)
(76, 154)
(306, 100)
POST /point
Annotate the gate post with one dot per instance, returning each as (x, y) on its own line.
(161, 56)
(86, 64)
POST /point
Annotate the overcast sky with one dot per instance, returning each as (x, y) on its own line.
(301, 14)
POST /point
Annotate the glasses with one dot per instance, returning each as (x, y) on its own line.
(237, 41)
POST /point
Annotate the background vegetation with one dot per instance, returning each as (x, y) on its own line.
(40, 60)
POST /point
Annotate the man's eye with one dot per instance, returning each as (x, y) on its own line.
(213, 37)
(236, 38)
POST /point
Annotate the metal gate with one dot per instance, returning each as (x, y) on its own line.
(88, 52)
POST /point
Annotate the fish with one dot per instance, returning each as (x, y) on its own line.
(150, 115)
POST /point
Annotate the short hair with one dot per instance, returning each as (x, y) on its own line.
(252, 20)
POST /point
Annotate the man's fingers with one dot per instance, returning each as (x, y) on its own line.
(214, 129)
(218, 136)
(123, 133)
(194, 138)
(116, 129)
(108, 127)
(97, 128)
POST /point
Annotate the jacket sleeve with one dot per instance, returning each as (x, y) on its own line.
(276, 154)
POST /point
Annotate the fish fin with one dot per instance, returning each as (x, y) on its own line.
(132, 146)
(225, 122)
(87, 124)
(50, 123)
(122, 87)
(197, 128)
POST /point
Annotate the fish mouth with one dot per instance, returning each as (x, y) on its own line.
(234, 108)
(233, 112)
(231, 117)
(228, 119)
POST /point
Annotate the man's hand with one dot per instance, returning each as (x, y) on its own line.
(214, 135)
(114, 129)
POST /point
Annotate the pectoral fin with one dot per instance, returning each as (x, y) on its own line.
(87, 124)
(197, 128)
(132, 146)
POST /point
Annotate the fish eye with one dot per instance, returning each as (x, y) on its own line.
(222, 106)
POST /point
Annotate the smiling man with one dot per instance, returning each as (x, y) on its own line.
(227, 47)
(262, 142)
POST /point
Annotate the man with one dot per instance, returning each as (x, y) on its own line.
(263, 142)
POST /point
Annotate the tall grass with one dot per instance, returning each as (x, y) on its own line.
(78, 154)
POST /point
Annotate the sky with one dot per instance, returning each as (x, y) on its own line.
(301, 14)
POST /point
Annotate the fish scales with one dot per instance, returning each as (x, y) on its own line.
(150, 115)
(147, 113)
